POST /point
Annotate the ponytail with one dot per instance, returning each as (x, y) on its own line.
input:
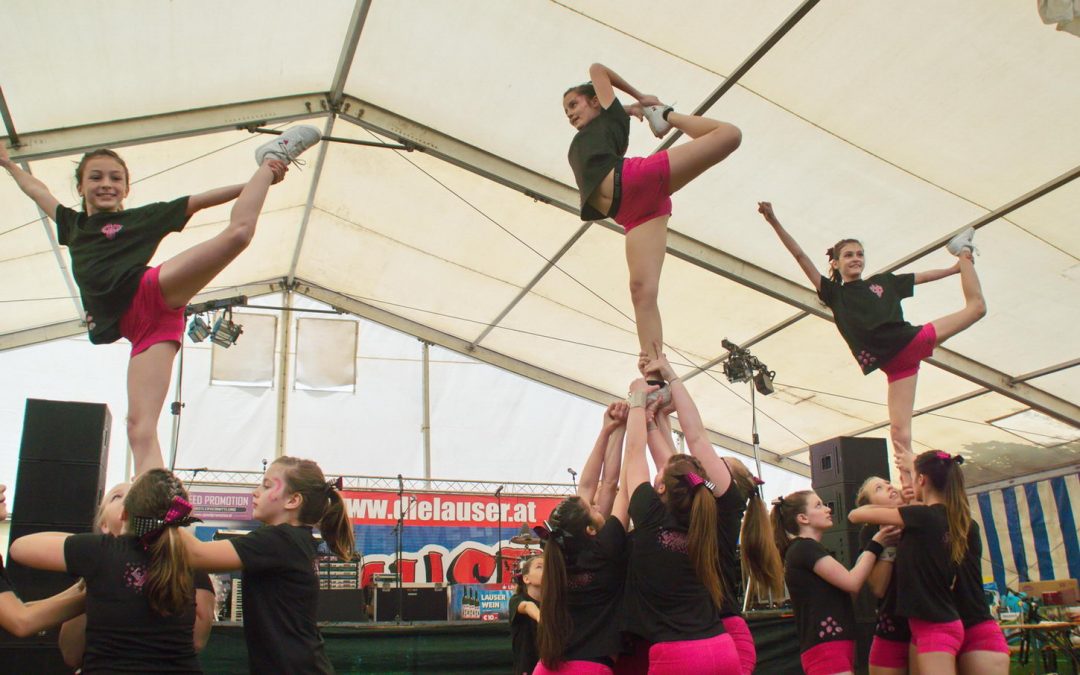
(556, 626)
(944, 473)
(690, 500)
(322, 504)
(169, 586)
(784, 516)
(757, 548)
(834, 254)
(336, 529)
(153, 516)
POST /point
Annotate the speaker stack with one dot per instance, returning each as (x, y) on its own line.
(60, 482)
(838, 467)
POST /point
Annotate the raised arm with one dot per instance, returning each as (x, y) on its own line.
(590, 473)
(605, 81)
(23, 620)
(609, 477)
(205, 200)
(204, 617)
(211, 556)
(658, 428)
(635, 468)
(31, 187)
(830, 569)
(807, 266)
(41, 550)
(693, 428)
(934, 275)
(876, 515)
(879, 577)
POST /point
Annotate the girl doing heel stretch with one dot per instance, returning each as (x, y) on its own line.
(110, 247)
(871, 321)
(585, 562)
(636, 191)
(820, 586)
(928, 557)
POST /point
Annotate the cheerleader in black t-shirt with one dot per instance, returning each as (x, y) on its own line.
(524, 612)
(585, 562)
(110, 247)
(741, 515)
(280, 581)
(934, 544)
(636, 191)
(819, 585)
(889, 653)
(984, 650)
(140, 590)
(869, 317)
(675, 594)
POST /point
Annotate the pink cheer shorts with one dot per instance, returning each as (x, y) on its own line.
(148, 320)
(906, 362)
(744, 642)
(573, 668)
(984, 637)
(829, 658)
(644, 190)
(715, 655)
(929, 636)
(888, 653)
(636, 662)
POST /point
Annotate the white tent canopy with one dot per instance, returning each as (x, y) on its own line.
(899, 126)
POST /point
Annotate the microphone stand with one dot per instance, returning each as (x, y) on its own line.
(498, 554)
(399, 531)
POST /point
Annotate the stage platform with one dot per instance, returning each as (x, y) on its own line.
(458, 647)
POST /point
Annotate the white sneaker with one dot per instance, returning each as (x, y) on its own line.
(288, 145)
(663, 393)
(965, 239)
(655, 115)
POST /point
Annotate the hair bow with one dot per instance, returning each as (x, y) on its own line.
(336, 484)
(547, 532)
(693, 480)
(778, 502)
(148, 529)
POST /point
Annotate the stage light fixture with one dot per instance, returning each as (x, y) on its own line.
(225, 332)
(199, 329)
(763, 382)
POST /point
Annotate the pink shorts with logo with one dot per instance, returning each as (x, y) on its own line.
(744, 642)
(148, 320)
(930, 636)
(984, 637)
(829, 658)
(573, 668)
(888, 653)
(906, 362)
(645, 190)
(708, 656)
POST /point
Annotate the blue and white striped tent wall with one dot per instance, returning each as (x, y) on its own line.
(1029, 530)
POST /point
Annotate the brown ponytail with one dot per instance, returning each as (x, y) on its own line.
(834, 254)
(784, 516)
(322, 504)
(695, 507)
(566, 527)
(169, 587)
(943, 472)
(757, 546)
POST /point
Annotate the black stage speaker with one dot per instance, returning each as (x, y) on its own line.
(419, 602)
(61, 480)
(348, 605)
(848, 460)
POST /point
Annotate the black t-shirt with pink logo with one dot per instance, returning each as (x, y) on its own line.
(730, 508)
(869, 316)
(924, 570)
(596, 576)
(823, 612)
(110, 252)
(122, 633)
(889, 625)
(664, 600)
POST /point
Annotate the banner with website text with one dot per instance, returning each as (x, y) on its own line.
(444, 537)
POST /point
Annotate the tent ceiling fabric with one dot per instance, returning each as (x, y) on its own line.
(848, 129)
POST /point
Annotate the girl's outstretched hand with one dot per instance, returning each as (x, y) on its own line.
(888, 535)
(637, 110)
(641, 385)
(615, 416)
(660, 365)
(279, 169)
(766, 209)
(648, 100)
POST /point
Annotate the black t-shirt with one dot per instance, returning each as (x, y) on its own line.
(122, 633)
(869, 316)
(730, 508)
(924, 570)
(596, 576)
(970, 600)
(523, 636)
(280, 587)
(664, 600)
(823, 612)
(109, 253)
(5, 584)
(889, 625)
(596, 150)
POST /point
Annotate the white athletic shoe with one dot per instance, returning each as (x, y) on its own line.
(655, 115)
(288, 145)
(965, 239)
(663, 393)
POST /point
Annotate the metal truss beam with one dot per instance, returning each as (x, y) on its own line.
(527, 370)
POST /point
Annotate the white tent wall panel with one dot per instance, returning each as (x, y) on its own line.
(38, 294)
(23, 233)
(1055, 220)
(1065, 383)
(177, 56)
(969, 119)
